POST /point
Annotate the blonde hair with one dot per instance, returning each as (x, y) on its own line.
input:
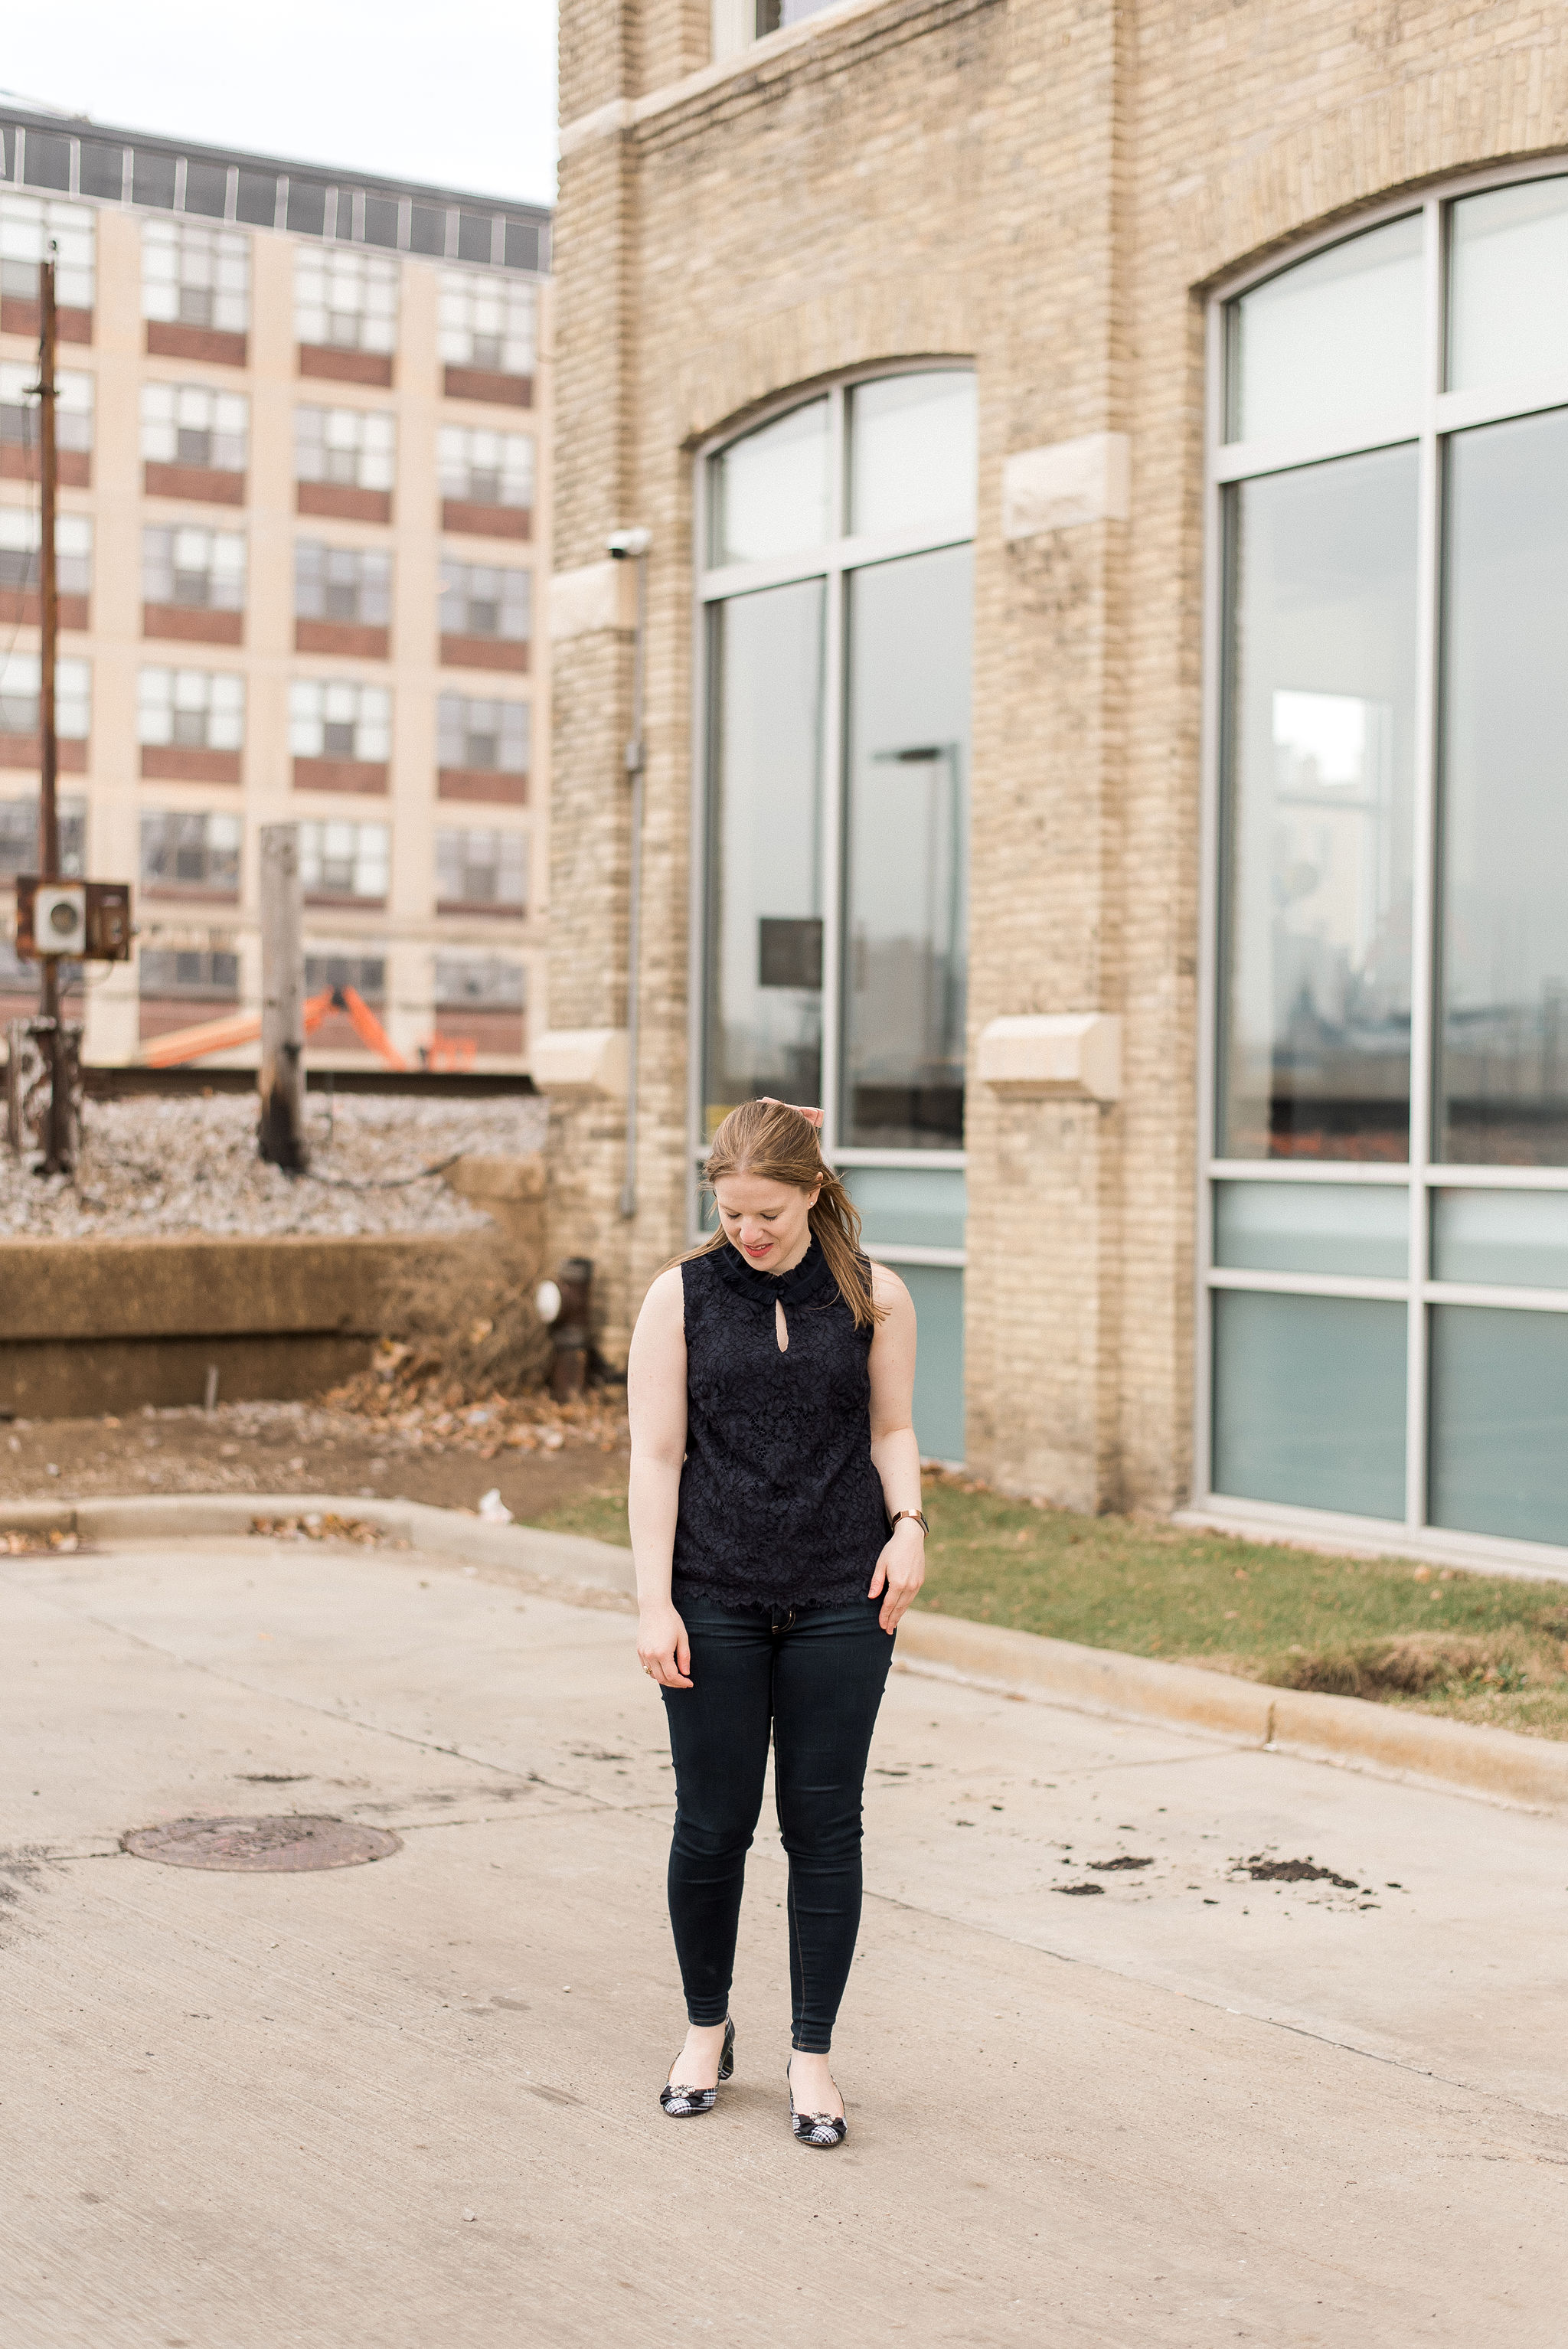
(771, 1140)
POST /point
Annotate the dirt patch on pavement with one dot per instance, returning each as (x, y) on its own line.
(572, 1452)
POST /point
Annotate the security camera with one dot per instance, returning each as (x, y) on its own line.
(622, 543)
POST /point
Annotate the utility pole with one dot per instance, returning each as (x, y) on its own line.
(57, 1135)
(280, 1136)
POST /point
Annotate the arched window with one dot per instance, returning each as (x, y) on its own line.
(835, 578)
(1385, 1228)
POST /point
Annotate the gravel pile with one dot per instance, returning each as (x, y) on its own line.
(173, 1166)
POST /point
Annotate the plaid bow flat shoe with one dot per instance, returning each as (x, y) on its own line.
(682, 2104)
(824, 2130)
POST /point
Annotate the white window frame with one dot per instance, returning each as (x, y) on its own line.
(832, 561)
(1435, 415)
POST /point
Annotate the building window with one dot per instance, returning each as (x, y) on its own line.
(488, 323)
(366, 974)
(19, 842)
(487, 980)
(347, 585)
(19, 419)
(201, 973)
(488, 736)
(21, 536)
(836, 538)
(185, 424)
(191, 710)
(20, 682)
(334, 717)
(478, 599)
(346, 300)
(201, 570)
(737, 24)
(482, 869)
(193, 276)
(346, 859)
(485, 469)
(1386, 1329)
(191, 851)
(345, 448)
(28, 226)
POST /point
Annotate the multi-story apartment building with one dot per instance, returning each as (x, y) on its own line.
(304, 425)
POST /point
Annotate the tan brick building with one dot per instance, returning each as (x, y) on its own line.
(1223, 345)
(304, 420)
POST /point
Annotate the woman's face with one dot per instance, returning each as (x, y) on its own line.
(765, 1221)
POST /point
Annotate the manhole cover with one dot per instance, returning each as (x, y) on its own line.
(261, 1846)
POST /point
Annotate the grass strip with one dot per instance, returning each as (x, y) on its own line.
(1477, 1647)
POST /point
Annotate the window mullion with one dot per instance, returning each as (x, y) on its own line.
(835, 715)
(1423, 878)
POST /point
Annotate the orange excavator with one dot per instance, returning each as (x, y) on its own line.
(228, 1035)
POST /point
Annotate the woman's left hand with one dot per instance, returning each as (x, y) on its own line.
(900, 1570)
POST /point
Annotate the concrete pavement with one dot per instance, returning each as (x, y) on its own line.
(251, 2112)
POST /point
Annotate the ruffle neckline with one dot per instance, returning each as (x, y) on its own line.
(805, 1283)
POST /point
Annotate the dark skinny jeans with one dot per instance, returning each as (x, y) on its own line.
(815, 1676)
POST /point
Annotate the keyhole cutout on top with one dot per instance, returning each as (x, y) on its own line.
(780, 1327)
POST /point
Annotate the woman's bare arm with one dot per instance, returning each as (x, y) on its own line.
(656, 1402)
(896, 1454)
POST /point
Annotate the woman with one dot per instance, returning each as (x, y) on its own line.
(776, 1528)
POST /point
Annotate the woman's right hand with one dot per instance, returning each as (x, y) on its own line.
(663, 1650)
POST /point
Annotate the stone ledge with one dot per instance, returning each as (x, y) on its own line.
(1039, 1055)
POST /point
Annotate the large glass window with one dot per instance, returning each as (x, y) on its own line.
(765, 849)
(837, 652)
(1503, 1095)
(1386, 1230)
(906, 885)
(1320, 740)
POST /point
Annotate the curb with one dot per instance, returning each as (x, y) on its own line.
(1342, 1729)
(568, 1560)
(1494, 1763)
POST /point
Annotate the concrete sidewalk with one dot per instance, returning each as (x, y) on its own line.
(251, 2112)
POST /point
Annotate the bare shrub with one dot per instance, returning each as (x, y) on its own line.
(1408, 1663)
(469, 1325)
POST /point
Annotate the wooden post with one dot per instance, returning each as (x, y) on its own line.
(56, 1130)
(281, 1133)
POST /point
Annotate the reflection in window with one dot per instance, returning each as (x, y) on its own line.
(907, 829)
(770, 490)
(1309, 1402)
(914, 460)
(1504, 1090)
(1315, 1000)
(1509, 260)
(765, 907)
(1336, 338)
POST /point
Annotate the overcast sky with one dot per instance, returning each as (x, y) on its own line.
(461, 92)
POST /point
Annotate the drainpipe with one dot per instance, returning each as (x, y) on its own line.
(633, 546)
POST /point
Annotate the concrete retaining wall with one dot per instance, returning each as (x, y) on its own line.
(91, 1326)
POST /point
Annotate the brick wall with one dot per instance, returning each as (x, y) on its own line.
(1048, 188)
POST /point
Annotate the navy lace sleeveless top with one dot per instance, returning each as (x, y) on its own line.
(779, 1504)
